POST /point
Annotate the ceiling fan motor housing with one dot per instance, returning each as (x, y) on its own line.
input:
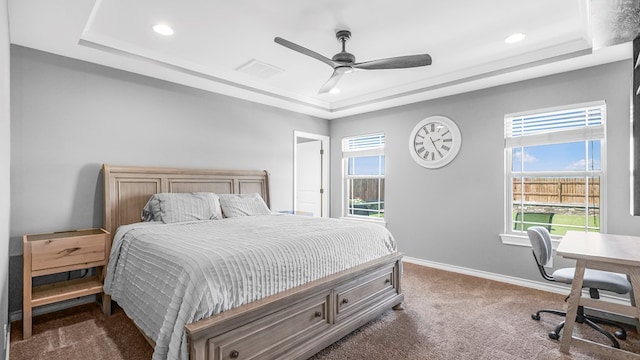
(344, 56)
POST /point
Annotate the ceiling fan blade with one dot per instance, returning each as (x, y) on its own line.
(399, 62)
(331, 83)
(303, 50)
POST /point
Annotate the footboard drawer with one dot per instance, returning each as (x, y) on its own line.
(354, 296)
(274, 334)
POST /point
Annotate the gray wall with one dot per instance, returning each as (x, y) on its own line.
(69, 117)
(5, 158)
(453, 215)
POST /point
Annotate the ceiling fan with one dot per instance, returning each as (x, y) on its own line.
(344, 62)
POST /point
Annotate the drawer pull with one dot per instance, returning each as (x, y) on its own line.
(386, 281)
(345, 301)
(318, 314)
(234, 354)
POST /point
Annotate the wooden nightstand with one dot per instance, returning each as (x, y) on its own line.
(45, 254)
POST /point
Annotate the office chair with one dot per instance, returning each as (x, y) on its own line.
(595, 280)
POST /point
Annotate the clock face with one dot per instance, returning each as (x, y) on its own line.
(434, 142)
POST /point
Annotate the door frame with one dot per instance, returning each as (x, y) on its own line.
(325, 143)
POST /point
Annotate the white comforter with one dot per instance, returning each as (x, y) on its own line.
(167, 275)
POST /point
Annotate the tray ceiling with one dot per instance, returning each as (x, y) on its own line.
(228, 46)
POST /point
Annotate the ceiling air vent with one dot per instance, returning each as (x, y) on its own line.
(259, 69)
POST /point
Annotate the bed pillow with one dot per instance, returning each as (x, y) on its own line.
(179, 207)
(234, 205)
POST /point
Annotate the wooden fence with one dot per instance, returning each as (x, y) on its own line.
(557, 190)
(367, 189)
(536, 190)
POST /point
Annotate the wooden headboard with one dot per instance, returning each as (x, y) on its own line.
(128, 188)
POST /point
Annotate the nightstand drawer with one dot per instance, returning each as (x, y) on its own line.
(67, 249)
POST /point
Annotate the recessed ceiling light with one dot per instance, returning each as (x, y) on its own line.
(515, 38)
(163, 29)
(334, 91)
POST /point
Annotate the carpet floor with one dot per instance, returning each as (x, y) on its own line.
(447, 316)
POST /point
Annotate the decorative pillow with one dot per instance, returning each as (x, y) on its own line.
(234, 205)
(179, 207)
(151, 211)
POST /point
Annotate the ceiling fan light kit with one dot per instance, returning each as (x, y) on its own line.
(344, 62)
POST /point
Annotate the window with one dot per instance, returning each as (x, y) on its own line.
(363, 176)
(555, 168)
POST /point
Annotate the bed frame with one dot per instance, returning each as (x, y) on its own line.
(294, 324)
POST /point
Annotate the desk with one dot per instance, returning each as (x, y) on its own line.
(616, 253)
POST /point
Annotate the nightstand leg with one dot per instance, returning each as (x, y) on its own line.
(26, 291)
(26, 322)
(106, 304)
(106, 299)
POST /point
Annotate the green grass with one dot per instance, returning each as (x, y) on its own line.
(559, 220)
(561, 223)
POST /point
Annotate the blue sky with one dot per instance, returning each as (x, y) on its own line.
(559, 157)
(367, 165)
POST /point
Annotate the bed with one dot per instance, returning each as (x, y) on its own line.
(290, 319)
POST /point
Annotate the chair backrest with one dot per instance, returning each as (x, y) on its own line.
(540, 243)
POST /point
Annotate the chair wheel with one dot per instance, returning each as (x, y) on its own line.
(621, 335)
(554, 336)
(535, 316)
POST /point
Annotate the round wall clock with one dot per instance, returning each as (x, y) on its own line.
(434, 142)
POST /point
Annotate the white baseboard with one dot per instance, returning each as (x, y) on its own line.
(45, 309)
(543, 286)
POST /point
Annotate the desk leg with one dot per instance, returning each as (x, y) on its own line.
(572, 306)
(634, 275)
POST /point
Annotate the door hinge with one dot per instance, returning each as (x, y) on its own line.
(321, 151)
(321, 191)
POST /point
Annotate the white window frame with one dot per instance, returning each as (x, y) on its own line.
(513, 237)
(365, 150)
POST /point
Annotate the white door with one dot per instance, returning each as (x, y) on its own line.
(309, 178)
(311, 174)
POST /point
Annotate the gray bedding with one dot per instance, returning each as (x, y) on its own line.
(167, 275)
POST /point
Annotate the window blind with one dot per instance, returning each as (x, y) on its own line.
(368, 145)
(555, 126)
